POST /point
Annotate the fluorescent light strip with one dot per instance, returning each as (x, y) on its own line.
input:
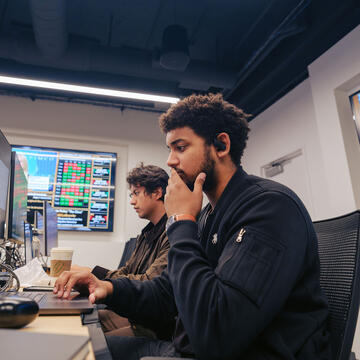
(86, 89)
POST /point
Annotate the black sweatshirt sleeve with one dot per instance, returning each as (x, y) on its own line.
(224, 309)
(143, 301)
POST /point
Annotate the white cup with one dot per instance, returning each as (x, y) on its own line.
(60, 260)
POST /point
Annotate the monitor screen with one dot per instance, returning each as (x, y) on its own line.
(355, 105)
(5, 160)
(17, 200)
(51, 233)
(28, 242)
(39, 227)
(80, 185)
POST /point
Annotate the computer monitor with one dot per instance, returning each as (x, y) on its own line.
(79, 184)
(17, 200)
(51, 230)
(28, 236)
(40, 232)
(5, 164)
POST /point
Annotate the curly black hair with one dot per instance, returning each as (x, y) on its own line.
(151, 177)
(209, 115)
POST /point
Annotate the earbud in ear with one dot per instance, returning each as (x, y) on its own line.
(219, 145)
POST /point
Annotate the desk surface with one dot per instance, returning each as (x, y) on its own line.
(66, 324)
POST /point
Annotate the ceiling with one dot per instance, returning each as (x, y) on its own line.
(253, 51)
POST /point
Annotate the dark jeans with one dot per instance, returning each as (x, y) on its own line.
(133, 348)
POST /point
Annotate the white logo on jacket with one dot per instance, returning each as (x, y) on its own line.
(214, 239)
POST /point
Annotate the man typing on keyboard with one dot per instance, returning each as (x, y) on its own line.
(85, 283)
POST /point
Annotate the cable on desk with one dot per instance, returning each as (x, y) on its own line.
(7, 275)
(10, 255)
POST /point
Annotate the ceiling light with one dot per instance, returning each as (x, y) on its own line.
(174, 49)
(86, 89)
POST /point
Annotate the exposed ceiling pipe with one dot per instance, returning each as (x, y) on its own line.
(199, 75)
(49, 25)
(285, 29)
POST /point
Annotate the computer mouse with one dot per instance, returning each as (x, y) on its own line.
(16, 312)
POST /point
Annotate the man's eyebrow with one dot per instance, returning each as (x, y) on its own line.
(176, 141)
(173, 143)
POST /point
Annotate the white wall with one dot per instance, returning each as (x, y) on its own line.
(316, 117)
(332, 75)
(283, 128)
(133, 135)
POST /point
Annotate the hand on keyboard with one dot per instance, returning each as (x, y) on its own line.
(84, 282)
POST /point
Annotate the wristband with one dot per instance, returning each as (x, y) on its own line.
(173, 218)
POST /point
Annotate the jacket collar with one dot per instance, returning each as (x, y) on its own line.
(237, 181)
(151, 231)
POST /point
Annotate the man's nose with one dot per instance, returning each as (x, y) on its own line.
(132, 200)
(172, 160)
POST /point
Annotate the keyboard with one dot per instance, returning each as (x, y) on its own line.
(50, 304)
(33, 295)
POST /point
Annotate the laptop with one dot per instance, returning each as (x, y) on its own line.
(50, 304)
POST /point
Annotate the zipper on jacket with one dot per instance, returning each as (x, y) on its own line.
(240, 236)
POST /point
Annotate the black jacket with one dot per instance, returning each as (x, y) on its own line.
(249, 289)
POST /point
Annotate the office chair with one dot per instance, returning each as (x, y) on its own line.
(339, 252)
(128, 250)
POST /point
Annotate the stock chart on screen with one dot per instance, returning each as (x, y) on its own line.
(80, 186)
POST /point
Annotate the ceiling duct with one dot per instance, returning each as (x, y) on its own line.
(49, 26)
(199, 75)
(175, 50)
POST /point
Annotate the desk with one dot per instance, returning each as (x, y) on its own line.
(67, 325)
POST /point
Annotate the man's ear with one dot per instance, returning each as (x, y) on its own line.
(222, 144)
(157, 193)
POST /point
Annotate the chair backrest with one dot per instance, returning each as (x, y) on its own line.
(339, 253)
(128, 250)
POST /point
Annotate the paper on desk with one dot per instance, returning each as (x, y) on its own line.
(32, 274)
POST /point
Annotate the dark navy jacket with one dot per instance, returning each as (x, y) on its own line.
(249, 289)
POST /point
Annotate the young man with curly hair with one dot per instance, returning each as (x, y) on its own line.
(243, 273)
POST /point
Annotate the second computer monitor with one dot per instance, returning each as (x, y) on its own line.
(17, 199)
(40, 232)
(28, 242)
(51, 230)
(5, 160)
